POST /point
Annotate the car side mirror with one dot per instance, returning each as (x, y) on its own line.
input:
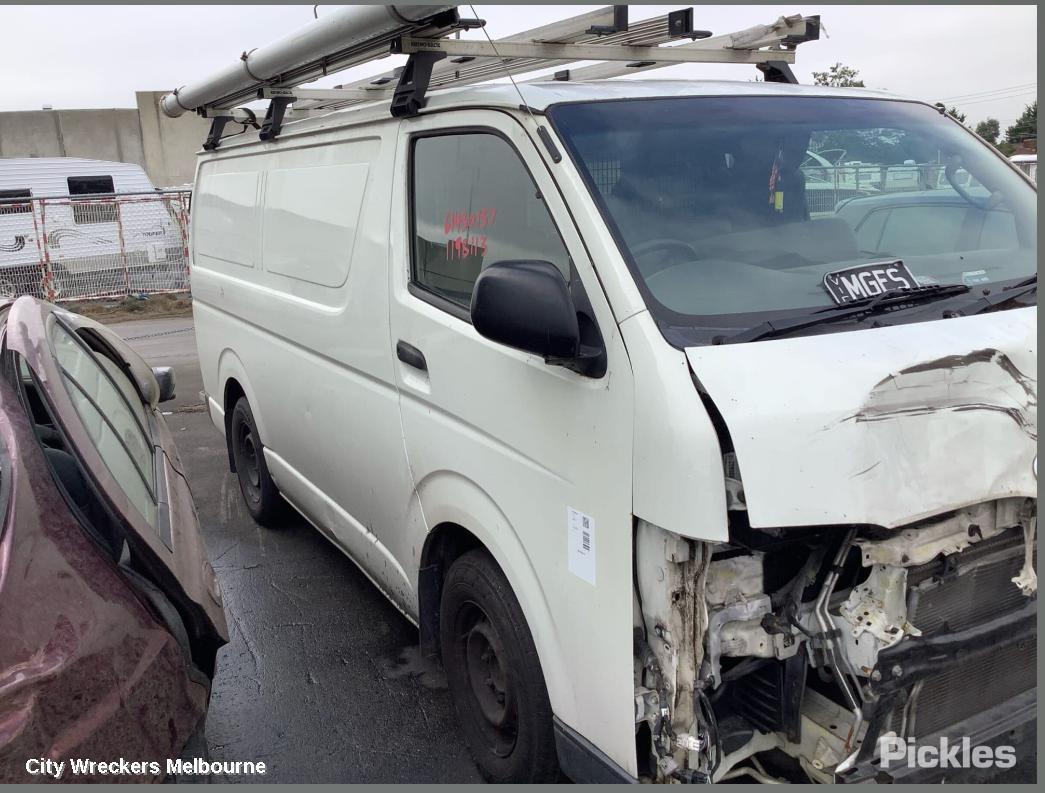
(165, 380)
(527, 305)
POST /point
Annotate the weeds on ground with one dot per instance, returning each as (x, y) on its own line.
(133, 307)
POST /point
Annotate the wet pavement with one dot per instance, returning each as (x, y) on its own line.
(321, 679)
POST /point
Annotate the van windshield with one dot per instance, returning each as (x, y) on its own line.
(732, 211)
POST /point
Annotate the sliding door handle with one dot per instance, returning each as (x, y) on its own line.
(411, 356)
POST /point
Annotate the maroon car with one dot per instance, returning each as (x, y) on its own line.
(110, 615)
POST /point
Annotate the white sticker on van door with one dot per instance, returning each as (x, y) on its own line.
(580, 544)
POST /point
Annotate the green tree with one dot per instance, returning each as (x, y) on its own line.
(839, 76)
(956, 114)
(1026, 125)
(989, 129)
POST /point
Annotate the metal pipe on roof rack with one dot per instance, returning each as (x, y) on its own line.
(335, 32)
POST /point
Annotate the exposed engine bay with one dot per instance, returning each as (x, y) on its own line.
(785, 655)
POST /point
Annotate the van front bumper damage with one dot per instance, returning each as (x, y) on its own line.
(799, 654)
(984, 649)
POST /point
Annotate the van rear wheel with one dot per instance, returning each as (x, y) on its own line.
(494, 674)
(260, 493)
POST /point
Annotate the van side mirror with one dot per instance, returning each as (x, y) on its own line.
(165, 380)
(527, 305)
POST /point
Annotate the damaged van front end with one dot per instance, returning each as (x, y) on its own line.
(878, 581)
(835, 470)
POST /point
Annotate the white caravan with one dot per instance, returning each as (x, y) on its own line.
(1028, 163)
(91, 245)
(681, 484)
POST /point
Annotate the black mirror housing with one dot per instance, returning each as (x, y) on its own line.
(526, 305)
(165, 380)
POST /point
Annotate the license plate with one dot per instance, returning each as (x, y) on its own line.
(868, 280)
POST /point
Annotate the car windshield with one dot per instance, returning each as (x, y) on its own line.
(734, 210)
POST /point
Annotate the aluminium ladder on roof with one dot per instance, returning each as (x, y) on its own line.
(467, 67)
(351, 36)
(637, 49)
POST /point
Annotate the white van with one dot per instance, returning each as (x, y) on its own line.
(681, 484)
(91, 243)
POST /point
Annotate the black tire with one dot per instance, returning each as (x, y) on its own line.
(494, 674)
(260, 493)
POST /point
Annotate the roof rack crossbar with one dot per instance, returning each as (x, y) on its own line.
(777, 72)
(620, 23)
(460, 69)
(409, 96)
(273, 123)
(351, 36)
(217, 126)
(780, 37)
(550, 51)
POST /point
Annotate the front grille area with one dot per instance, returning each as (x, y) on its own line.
(942, 598)
(968, 599)
(972, 688)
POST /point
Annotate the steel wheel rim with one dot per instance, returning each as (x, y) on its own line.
(488, 683)
(248, 462)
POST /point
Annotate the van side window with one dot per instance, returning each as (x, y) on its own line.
(474, 204)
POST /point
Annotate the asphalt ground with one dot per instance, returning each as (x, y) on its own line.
(322, 679)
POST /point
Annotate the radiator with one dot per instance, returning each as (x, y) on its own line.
(957, 593)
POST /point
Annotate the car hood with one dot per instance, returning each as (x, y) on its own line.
(882, 426)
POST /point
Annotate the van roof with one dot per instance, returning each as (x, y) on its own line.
(540, 95)
(543, 94)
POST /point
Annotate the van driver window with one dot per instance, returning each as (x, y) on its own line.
(475, 204)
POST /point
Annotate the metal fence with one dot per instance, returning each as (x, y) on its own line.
(827, 186)
(75, 247)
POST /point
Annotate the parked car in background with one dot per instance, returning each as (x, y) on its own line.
(100, 228)
(896, 222)
(110, 614)
(1028, 163)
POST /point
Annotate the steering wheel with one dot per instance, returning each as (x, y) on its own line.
(643, 249)
(950, 171)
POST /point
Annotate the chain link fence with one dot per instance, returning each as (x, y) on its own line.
(827, 186)
(824, 185)
(76, 247)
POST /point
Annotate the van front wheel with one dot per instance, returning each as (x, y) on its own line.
(260, 493)
(494, 674)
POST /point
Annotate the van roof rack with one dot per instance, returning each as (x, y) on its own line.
(354, 35)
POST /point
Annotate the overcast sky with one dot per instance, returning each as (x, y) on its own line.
(980, 58)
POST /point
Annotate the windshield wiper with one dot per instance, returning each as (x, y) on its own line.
(999, 298)
(865, 306)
